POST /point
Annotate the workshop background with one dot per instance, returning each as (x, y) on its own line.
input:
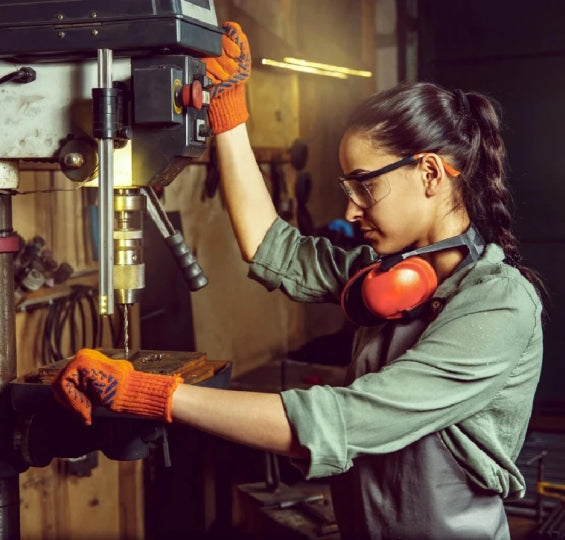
(516, 56)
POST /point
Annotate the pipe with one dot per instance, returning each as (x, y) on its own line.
(9, 486)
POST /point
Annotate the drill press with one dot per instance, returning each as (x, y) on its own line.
(115, 92)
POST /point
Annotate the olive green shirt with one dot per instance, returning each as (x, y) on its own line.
(470, 376)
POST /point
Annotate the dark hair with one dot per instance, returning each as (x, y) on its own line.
(463, 127)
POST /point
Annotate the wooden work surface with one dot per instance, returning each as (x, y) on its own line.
(193, 367)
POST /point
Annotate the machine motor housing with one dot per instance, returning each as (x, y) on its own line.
(66, 30)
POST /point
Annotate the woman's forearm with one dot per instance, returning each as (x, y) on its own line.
(250, 418)
(247, 198)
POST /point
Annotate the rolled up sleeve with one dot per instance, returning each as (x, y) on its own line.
(462, 361)
(305, 268)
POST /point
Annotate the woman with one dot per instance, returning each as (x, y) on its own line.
(421, 440)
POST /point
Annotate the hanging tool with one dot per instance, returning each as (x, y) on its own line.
(302, 190)
(302, 186)
(281, 198)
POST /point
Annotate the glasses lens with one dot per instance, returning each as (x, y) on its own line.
(366, 194)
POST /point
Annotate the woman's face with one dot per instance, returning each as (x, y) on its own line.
(401, 214)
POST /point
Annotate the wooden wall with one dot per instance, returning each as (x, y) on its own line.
(235, 319)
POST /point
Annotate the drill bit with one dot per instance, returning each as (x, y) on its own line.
(126, 331)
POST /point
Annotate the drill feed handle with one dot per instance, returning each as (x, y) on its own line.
(191, 270)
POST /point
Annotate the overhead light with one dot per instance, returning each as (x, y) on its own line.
(303, 68)
(328, 67)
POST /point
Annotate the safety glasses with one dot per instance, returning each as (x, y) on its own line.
(366, 189)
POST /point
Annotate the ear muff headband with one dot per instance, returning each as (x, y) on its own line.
(397, 285)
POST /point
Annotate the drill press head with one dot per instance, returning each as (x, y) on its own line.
(153, 110)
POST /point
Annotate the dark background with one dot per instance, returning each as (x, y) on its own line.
(516, 55)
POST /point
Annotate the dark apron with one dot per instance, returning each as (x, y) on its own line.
(419, 492)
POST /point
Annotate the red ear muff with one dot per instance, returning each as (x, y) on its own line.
(390, 294)
(371, 294)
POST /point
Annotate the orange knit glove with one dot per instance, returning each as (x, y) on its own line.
(91, 378)
(229, 73)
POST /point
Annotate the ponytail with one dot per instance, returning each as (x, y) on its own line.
(484, 190)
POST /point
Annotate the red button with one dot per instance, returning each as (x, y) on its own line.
(192, 95)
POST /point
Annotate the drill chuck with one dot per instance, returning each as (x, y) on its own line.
(129, 267)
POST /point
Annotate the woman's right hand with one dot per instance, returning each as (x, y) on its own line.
(229, 73)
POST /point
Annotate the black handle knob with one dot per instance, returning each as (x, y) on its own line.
(192, 272)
